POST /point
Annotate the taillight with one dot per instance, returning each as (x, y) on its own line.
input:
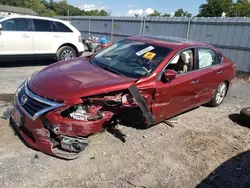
(80, 38)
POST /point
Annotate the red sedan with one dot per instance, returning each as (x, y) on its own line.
(140, 80)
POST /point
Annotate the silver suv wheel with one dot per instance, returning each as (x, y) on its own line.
(67, 54)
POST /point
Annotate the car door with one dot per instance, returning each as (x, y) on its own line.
(43, 37)
(209, 71)
(62, 35)
(174, 97)
(16, 37)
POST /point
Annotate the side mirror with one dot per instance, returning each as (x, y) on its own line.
(169, 74)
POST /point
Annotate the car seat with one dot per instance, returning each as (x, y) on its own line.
(186, 60)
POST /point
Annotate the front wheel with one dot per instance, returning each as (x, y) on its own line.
(219, 95)
(65, 53)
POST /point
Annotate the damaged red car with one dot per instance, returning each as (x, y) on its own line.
(139, 80)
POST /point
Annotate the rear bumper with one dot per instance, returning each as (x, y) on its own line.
(80, 53)
(80, 48)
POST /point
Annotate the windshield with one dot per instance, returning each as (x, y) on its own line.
(131, 58)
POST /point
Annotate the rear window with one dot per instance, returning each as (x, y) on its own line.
(60, 27)
(208, 57)
(42, 25)
(16, 24)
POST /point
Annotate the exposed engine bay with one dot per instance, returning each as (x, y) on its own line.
(102, 111)
(93, 108)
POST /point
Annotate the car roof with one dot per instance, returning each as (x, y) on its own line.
(34, 17)
(169, 42)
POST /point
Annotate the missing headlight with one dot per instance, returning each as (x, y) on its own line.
(86, 113)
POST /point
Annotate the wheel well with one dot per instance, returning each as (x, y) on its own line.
(227, 82)
(70, 45)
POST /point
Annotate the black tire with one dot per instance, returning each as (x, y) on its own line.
(219, 96)
(65, 53)
(245, 116)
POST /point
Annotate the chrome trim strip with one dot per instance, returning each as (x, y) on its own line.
(38, 98)
(20, 106)
(36, 115)
(53, 105)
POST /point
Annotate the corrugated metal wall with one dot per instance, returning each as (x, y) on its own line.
(231, 35)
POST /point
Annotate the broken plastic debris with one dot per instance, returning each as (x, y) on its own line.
(6, 113)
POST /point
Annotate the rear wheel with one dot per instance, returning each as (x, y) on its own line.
(65, 53)
(219, 95)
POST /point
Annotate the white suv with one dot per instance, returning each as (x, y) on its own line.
(23, 37)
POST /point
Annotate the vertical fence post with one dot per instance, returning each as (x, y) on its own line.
(141, 25)
(89, 27)
(112, 29)
(68, 15)
(144, 23)
(188, 29)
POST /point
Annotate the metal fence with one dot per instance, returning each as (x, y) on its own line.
(231, 35)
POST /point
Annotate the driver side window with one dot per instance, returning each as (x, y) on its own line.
(183, 62)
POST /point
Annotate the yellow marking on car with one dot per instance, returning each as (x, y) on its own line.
(149, 55)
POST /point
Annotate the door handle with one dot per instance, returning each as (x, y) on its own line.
(195, 82)
(26, 36)
(57, 36)
(220, 72)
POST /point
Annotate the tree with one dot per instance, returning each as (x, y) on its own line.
(215, 8)
(103, 13)
(10, 2)
(155, 14)
(187, 14)
(166, 15)
(180, 12)
(240, 9)
(52, 8)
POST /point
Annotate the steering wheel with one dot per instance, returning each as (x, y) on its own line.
(145, 69)
(139, 63)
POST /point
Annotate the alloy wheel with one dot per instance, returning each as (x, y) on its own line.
(221, 93)
(67, 54)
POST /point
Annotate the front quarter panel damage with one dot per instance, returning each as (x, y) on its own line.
(75, 128)
(142, 104)
(60, 134)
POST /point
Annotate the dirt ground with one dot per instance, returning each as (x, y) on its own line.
(205, 149)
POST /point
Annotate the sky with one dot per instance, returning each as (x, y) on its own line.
(141, 7)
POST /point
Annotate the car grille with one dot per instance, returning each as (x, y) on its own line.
(32, 104)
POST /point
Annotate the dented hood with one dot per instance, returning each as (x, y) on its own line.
(74, 79)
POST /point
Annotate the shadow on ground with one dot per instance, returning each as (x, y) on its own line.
(133, 118)
(234, 173)
(24, 63)
(7, 97)
(236, 118)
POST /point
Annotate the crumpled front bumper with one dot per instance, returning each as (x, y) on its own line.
(37, 136)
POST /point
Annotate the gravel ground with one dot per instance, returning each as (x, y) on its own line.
(205, 149)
